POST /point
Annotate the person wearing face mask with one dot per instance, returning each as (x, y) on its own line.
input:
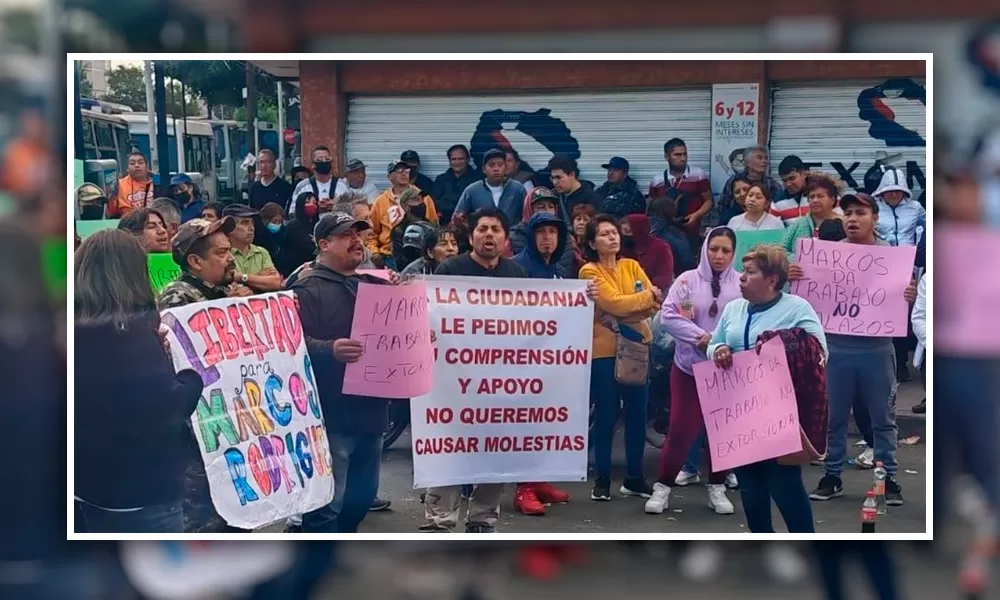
(402, 200)
(322, 184)
(653, 254)
(185, 195)
(271, 236)
(299, 247)
(407, 235)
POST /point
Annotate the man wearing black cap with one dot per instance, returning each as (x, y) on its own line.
(495, 191)
(620, 193)
(863, 366)
(202, 250)
(412, 160)
(254, 267)
(354, 424)
(355, 179)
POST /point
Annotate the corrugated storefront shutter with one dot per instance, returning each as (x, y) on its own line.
(844, 127)
(591, 127)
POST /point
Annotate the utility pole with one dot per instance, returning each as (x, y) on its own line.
(251, 108)
(147, 78)
(160, 101)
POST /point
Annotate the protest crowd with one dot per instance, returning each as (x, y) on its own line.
(791, 292)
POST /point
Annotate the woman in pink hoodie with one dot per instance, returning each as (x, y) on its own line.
(689, 314)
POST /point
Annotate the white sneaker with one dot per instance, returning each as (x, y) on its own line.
(718, 501)
(784, 563)
(684, 478)
(702, 562)
(660, 499)
(731, 481)
(866, 460)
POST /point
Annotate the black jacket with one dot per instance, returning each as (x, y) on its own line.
(585, 194)
(426, 185)
(326, 308)
(463, 265)
(279, 192)
(140, 407)
(621, 199)
(448, 188)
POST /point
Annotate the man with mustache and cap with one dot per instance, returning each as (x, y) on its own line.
(354, 424)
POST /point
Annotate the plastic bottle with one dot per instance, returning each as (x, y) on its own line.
(868, 513)
(880, 477)
(638, 286)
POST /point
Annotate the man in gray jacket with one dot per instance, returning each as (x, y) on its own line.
(495, 191)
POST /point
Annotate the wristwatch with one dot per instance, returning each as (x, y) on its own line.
(244, 279)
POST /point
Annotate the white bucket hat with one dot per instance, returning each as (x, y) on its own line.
(892, 181)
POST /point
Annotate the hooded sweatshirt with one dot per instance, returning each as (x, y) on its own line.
(532, 260)
(622, 199)
(695, 286)
(518, 238)
(903, 224)
(654, 255)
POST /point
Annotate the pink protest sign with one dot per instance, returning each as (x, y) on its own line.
(856, 289)
(394, 325)
(967, 291)
(380, 273)
(749, 409)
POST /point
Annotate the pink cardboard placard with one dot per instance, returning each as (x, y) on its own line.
(856, 289)
(967, 291)
(750, 409)
(380, 273)
(394, 325)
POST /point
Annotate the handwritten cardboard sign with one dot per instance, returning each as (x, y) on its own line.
(394, 325)
(380, 273)
(966, 295)
(162, 270)
(856, 289)
(750, 409)
(259, 424)
(746, 240)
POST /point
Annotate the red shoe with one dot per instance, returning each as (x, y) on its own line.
(540, 563)
(550, 494)
(527, 502)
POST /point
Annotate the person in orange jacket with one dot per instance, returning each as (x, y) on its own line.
(133, 191)
(387, 212)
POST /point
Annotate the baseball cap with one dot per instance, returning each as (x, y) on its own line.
(410, 157)
(89, 194)
(181, 178)
(616, 162)
(194, 230)
(413, 237)
(336, 224)
(493, 153)
(393, 165)
(354, 164)
(542, 193)
(859, 198)
(239, 211)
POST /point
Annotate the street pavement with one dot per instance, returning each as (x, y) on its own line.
(688, 512)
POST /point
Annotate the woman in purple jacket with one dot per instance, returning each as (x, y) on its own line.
(689, 314)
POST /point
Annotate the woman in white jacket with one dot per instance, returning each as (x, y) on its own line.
(918, 317)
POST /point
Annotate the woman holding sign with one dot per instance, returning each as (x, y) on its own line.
(690, 311)
(626, 299)
(764, 307)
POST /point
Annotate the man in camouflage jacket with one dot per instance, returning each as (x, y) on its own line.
(202, 250)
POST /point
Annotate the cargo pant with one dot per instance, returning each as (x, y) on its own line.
(441, 506)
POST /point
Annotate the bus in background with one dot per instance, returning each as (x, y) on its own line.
(231, 148)
(195, 157)
(106, 145)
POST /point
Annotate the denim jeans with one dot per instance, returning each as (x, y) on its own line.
(694, 456)
(874, 556)
(160, 518)
(967, 389)
(608, 398)
(763, 481)
(355, 474)
(313, 560)
(871, 377)
(87, 576)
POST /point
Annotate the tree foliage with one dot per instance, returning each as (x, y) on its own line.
(86, 88)
(221, 82)
(22, 27)
(126, 86)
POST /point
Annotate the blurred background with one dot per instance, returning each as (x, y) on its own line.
(36, 562)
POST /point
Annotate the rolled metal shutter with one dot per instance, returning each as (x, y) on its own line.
(591, 127)
(833, 125)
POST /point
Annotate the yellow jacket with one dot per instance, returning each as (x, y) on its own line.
(616, 296)
(386, 213)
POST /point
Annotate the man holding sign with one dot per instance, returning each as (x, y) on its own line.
(867, 289)
(327, 296)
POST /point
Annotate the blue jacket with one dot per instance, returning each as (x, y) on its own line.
(478, 196)
(531, 260)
